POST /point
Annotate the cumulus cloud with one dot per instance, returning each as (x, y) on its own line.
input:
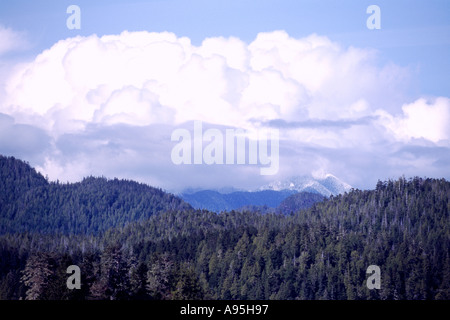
(110, 103)
(422, 119)
(143, 78)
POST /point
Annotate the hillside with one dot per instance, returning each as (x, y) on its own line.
(319, 253)
(299, 201)
(217, 202)
(293, 203)
(16, 178)
(133, 241)
(30, 203)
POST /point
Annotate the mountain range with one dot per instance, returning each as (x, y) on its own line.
(269, 196)
(327, 186)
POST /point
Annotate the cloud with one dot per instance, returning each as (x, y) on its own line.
(11, 40)
(142, 78)
(426, 119)
(22, 140)
(107, 105)
(319, 123)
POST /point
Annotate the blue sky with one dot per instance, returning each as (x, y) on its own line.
(404, 74)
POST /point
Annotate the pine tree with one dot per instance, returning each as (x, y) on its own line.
(160, 277)
(37, 275)
(113, 279)
(187, 287)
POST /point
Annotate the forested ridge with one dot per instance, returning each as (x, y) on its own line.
(28, 202)
(216, 201)
(163, 249)
(282, 201)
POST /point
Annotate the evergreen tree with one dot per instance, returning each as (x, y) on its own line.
(37, 275)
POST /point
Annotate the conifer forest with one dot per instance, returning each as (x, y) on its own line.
(135, 242)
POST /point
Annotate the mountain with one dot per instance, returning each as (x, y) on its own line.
(326, 186)
(293, 203)
(30, 203)
(215, 201)
(299, 201)
(267, 198)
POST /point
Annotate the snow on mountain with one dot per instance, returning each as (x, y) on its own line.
(270, 195)
(327, 185)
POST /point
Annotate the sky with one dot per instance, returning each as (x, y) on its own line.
(123, 94)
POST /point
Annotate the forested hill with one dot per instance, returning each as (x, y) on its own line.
(17, 178)
(216, 201)
(29, 203)
(297, 201)
(322, 252)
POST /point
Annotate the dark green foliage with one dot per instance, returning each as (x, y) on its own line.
(179, 253)
(17, 178)
(30, 204)
(298, 201)
(217, 202)
(291, 204)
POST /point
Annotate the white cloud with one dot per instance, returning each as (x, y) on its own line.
(82, 85)
(68, 170)
(308, 61)
(132, 106)
(223, 81)
(11, 40)
(426, 119)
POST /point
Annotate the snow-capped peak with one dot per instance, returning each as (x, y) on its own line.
(327, 185)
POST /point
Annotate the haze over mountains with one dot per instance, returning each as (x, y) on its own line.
(310, 190)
